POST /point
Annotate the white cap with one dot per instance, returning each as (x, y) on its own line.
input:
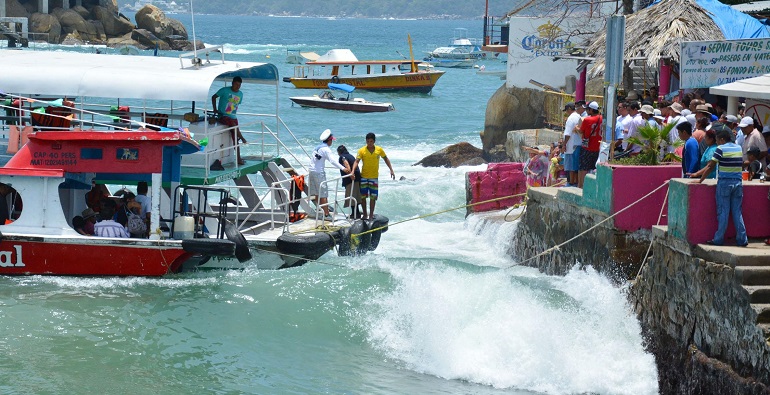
(326, 134)
(746, 121)
(593, 105)
(766, 129)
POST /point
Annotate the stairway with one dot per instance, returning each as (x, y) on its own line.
(754, 275)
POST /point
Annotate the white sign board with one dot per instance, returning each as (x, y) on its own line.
(710, 63)
(758, 109)
(531, 52)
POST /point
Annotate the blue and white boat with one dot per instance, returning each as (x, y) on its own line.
(341, 101)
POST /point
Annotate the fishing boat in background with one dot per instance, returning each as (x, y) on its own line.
(328, 100)
(342, 66)
(126, 120)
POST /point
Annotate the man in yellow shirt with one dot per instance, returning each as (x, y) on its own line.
(370, 157)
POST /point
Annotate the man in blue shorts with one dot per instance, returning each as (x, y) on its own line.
(370, 156)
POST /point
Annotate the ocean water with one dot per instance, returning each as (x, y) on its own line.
(437, 309)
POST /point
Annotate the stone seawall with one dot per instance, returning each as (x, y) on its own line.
(696, 313)
(699, 323)
(550, 221)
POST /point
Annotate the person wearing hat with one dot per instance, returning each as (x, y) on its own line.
(89, 216)
(729, 194)
(647, 113)
(752, 138)
(370, 155)
(317, 187)
(352, 184)
(572, 143)
(591, 130)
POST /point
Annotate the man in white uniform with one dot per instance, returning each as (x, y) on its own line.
(317, 177)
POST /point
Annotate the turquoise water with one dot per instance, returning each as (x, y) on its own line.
(437, 309)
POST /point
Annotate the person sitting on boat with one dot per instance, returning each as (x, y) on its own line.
(5, 215)
(317, 177)
(89, 215)
(352, 184)
(107, 227)
(229, 99)
(78, 223)
(95, 196)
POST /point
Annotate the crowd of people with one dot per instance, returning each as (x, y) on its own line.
(710, 143)
(105, 216)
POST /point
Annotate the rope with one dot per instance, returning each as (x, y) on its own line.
(647, 254)
(558, 246)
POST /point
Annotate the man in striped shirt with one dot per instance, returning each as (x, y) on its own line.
(107, 227)
(729, 194)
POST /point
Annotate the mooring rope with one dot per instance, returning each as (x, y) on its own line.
(647, 254)
(558, 246)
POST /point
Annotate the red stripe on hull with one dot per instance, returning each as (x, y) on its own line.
(88, 260)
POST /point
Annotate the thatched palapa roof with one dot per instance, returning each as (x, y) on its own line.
(657, 32)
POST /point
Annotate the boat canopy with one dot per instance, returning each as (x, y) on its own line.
(337, 55)
(73, 74)
(342, 87)
(750, 88)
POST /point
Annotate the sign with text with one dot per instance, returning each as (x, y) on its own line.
(710, 63)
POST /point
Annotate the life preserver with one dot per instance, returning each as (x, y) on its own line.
(304, 245)
(210, 247)
(335, 79)
(242, 251)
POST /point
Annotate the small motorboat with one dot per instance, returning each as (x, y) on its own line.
(327, 99)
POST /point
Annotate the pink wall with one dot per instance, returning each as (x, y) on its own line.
(702, 212)
(500, 179)
(629, 184)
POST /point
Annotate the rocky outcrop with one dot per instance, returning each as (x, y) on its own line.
(152, 19)
(45, 24)
(114, 24)
(460, 154)
(510, 109)
(100, 22)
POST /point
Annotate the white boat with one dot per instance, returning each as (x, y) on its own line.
(450, 57)
(341, 101)
(132, 119)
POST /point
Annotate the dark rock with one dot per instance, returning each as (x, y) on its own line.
(114, 25)
(497, 154)
(72, 22)
(148, 39)
(474, 162)
(45, 24)
(453, 156)
(82, 11)
(14, 9)
(178, 28)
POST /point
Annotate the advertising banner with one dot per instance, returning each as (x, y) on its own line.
(705, 64)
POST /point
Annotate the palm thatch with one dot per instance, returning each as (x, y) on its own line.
(657, 32)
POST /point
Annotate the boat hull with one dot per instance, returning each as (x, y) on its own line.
(317, 102)
(35, 255)
(422, 82)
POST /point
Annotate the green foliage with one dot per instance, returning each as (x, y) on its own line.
(653, 142)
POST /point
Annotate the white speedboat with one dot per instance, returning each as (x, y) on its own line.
(132, 119)
(341, 101)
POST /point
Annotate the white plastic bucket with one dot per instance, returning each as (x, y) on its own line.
(184, 228)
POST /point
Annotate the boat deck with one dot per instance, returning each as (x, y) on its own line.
(202, 176)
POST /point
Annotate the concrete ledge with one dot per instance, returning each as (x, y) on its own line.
(572, 195)
(756, 254)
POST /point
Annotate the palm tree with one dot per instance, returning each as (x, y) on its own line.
(654, 142)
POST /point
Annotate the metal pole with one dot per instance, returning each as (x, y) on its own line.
(613, 72)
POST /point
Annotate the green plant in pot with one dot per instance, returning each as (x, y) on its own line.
(653, 142)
